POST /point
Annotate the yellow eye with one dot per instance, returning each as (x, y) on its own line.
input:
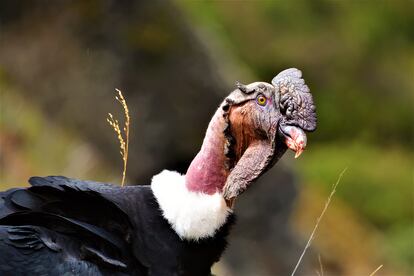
(261, 100)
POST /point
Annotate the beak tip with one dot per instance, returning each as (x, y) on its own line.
(298, 153)
(295, 139)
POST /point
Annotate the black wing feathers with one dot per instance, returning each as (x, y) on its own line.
(66, 216)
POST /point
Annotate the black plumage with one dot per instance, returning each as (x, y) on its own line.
(61, 225)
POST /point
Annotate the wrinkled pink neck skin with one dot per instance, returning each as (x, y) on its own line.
(207, 172)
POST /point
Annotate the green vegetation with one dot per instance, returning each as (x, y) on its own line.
(377, 186)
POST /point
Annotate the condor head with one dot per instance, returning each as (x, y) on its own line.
(264, 120)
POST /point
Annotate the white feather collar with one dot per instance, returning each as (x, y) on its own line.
(192, 215)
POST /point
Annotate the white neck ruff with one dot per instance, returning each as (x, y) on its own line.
(192, 215)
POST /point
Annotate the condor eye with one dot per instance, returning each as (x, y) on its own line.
(261, 100)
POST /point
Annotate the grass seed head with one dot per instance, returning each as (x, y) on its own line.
(123, 137)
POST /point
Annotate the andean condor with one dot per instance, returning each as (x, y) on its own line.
(178, 225)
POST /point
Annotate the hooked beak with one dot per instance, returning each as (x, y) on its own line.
(295, 139)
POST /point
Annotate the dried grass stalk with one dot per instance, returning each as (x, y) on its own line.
(376, 270)
(320, 266)
(328, 201)
(122, 135)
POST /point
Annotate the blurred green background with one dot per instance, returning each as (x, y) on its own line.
(57, 61)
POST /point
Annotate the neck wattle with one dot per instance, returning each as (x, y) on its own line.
(207, 172)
